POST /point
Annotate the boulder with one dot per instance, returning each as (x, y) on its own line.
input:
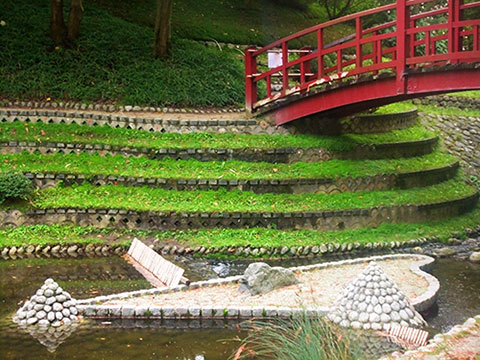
(444, 252)
(260, 278)
(475, 257)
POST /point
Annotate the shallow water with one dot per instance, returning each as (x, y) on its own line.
(459, 298)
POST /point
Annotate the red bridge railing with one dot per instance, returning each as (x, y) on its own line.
(413, 33)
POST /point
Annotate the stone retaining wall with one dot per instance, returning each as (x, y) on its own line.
(461, 136)
(163, 124)
(378, 123)
(357, 124)
(326, 185)
(72, 105)
(274, 155)
(93, 307)
(320, 220)
(461, 102)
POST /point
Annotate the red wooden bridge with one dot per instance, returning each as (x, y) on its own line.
(408, 49)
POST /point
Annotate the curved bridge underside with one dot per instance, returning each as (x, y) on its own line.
(430, 47)
(346, 99)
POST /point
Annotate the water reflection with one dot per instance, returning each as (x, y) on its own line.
(459, 298)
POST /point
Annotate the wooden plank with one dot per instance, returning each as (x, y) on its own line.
(160, 272)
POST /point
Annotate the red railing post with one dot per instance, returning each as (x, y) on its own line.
(320, 52)
(402, 44)
(358, 45)
(305, 67)
(284, 66)
(250, 85)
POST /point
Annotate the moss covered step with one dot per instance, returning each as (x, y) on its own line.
(330, 176)
(403, 180)
(162, 209)
(317, 220)
(199, 123)
(49, 139)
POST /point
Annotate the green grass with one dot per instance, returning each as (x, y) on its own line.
(470, 94)
(256, 237)
(395, 108)
(440, 110)
(112, 62)
(147, 199)
(428, 109)
(96, 164)
(73, 133)
(50, 235)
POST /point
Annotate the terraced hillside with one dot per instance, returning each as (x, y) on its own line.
(221, 182)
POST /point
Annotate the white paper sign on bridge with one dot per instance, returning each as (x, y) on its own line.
(155, 268)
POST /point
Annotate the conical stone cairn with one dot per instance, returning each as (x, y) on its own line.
(50, 306)
(374, 301)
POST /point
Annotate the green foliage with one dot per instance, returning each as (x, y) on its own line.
(117, 165)
(14, 186)
(385, 233)
(146, 199)
(301, 338)
(231, 21)
(112, 62)
(50, 234)
(256, 237)
(74, 133)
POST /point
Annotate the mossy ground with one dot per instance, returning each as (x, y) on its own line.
(256, 237)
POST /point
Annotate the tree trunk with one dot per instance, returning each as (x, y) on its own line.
(163, 29)
(74, 19)
(57, 25)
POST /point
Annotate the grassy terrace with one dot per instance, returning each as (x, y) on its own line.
(96, 164)
(74, 133)
(257, 237)
(147, 199)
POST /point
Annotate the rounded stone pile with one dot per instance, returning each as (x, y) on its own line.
(373, 301)
(51, 306)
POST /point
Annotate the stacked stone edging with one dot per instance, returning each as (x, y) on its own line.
(60, 251)
(293, 186)
(378, 123)
(461, 137)
(164, 124)
(273, 155)
(165, 220)
(461, 102)
(72, 105)
(93, 307)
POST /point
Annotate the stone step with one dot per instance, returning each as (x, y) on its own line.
(273, 155)
(404, 180)
(170, 220)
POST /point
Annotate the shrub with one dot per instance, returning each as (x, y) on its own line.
(14, 185)
(295, 4)
(302, 338)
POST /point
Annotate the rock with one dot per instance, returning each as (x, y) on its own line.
(444, 252)
(475, 257)
(260, 278)
(32, 320)
(51, 316)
